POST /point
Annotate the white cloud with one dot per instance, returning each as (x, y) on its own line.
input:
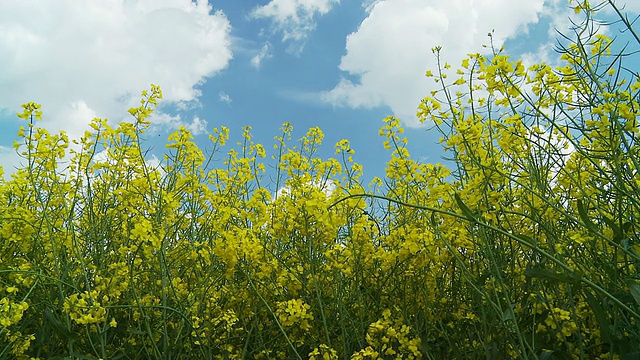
(197, 126)
(264, 53)
(152, 162)
(391, 50)
(326, 186)
(369, 4)
(11, 161)
(225, 98)
(92, 58)
(553, 149)
(294, 18)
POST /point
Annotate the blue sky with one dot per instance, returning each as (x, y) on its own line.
(340, 65)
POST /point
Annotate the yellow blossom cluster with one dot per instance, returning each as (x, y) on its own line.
(85, 308)
(526, 247)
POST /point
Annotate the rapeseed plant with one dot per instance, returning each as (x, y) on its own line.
(523, 249)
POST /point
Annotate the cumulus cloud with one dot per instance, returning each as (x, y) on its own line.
(92, 58)
(326, 186)
(386, 58)
(197, 126)
(152, 162)
(295, 19)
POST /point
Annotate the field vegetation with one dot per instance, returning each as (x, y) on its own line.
(527, 248)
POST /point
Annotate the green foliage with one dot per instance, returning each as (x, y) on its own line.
(527, 249)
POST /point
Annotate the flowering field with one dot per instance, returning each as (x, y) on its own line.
(527, 248)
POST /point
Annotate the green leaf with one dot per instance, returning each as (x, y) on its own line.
(551, 275)
(617, 233)
(527, 240)
(631, 356)
(555, 354)
(634, 289)
(546, 355)
(601, 318)
(52, 320)
(83, 357)
(465, 210)
(582, 211)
